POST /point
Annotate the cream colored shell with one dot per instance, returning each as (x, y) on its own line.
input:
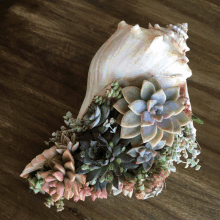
(133, 54)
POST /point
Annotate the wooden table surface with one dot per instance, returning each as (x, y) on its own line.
(46, 47)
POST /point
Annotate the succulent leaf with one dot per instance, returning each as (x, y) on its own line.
(116, 139)
(130, 120)
(148, 133)
(131, 93)
(109, 187)
(102, 140)
(103, 129)
(125, 158)
(105, 111)
(87, 160)
(175, 106)
(146, 119)
(121, 106)
(131, 165)
(159, 96)
(117, 169)
(103, 171)
(172, 93)
(132, 152)
(138, 106)
(147, 90)
(115, 182)
(93, 175)
(117, 150)
(103, 185)
(81, 171)
(128, 133)
(169, 138)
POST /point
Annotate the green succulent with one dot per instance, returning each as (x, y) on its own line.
(196, 119)
(114, 91)
(101, 100)
(36, 183)
(184, 145)
(104, 160)
(76, 125)
(59, 204)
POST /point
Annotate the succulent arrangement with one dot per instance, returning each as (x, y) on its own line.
(126, 143)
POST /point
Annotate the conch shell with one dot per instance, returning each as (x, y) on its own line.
(133, 53)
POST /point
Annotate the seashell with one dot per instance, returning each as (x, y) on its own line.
(133, 54)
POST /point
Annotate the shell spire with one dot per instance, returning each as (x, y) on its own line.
(177, 34)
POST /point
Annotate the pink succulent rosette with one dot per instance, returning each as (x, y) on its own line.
(150, 113)
(61, 179)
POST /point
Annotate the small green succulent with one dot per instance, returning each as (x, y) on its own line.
(196, 119)
(184, 145)
(115, 91)
(59, 204)
(36, 183)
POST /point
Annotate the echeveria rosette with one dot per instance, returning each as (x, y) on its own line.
(151, 114)
(146, 154)
(104, 161)
(58, 166)
(61, 180)
(96, 115)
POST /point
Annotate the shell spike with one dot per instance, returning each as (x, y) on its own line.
(157, 27)
(122, 24)
(185, 26)
(136, 29)
(150, 26)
